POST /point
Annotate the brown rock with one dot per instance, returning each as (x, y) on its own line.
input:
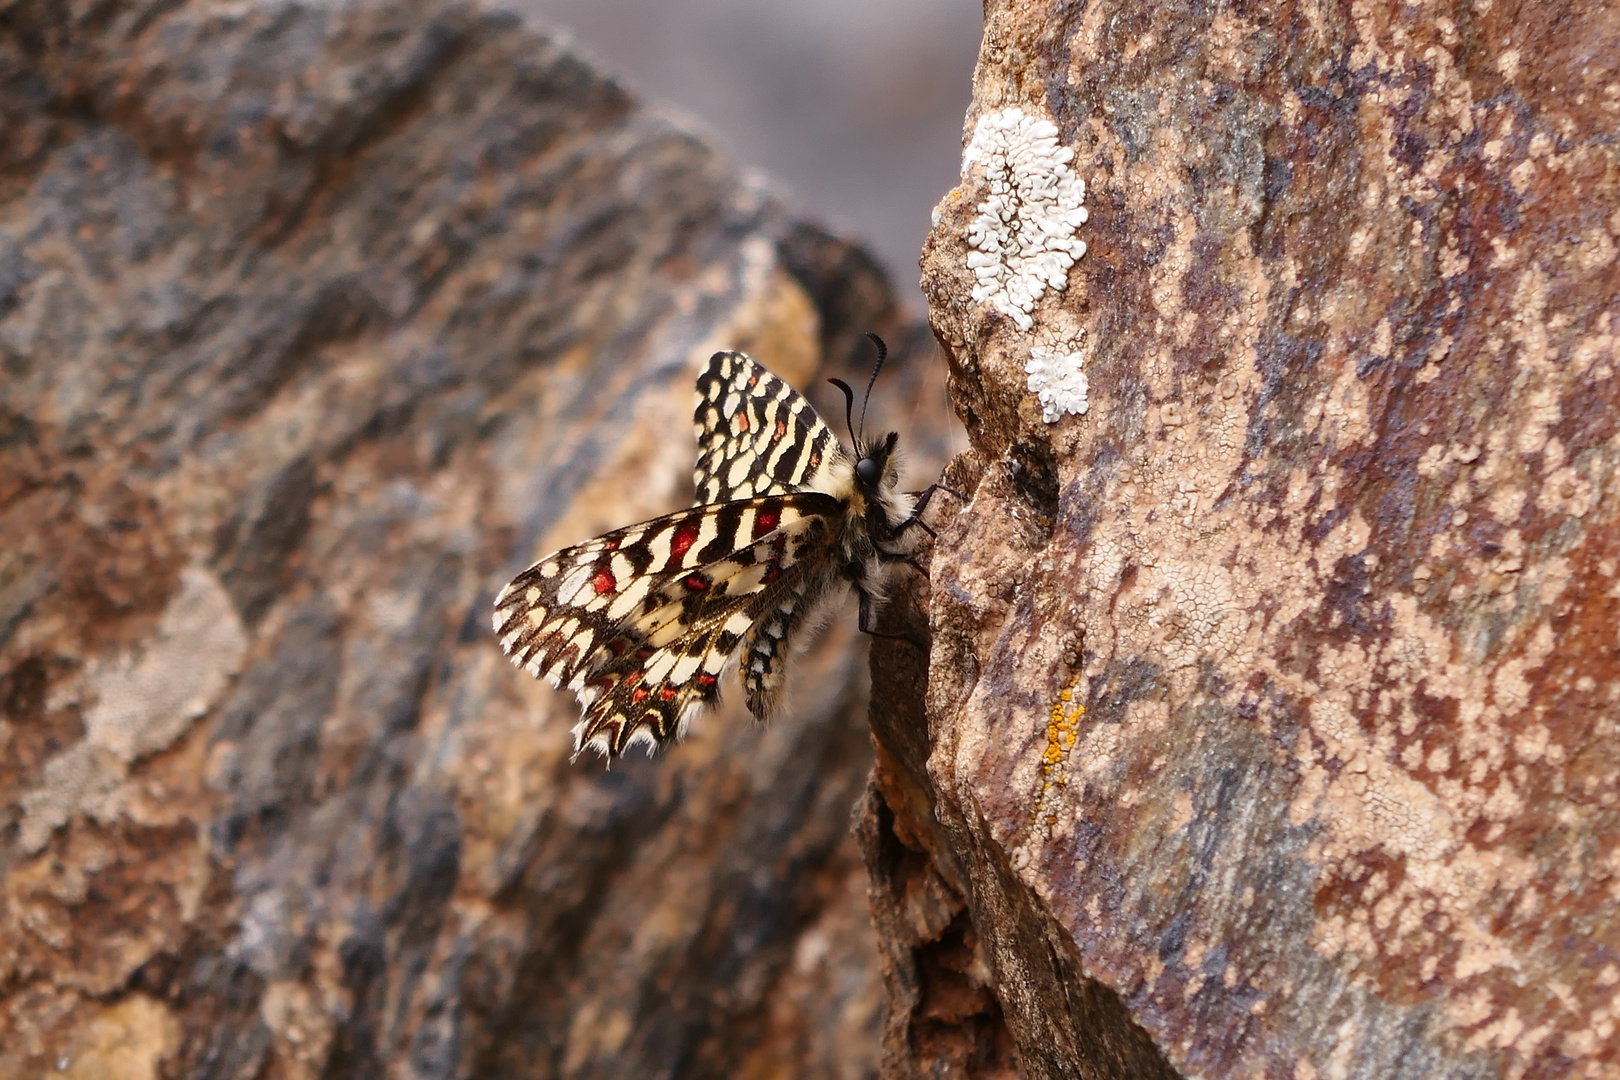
(316, 323)
(1272, 702)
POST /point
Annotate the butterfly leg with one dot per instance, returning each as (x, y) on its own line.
(867, 623)
(917, 522)
(923, 498)
(906, 557)
(927, 494)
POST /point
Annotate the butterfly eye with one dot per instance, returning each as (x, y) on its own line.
(867, 469)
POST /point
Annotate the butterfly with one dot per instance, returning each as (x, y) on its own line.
(644, 623)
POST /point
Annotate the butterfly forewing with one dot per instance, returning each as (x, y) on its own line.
(642, 621)
(756, 434)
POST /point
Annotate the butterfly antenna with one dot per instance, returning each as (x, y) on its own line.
(849, 410)
(883, 354)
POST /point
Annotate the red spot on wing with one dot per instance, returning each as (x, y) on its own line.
(696, 582)
(612, 544)
(741, 423)
(638, 695)
(603, 580)
(668, 693)
(766, 520)
(686, 534)
(781, 430)
(705, 680)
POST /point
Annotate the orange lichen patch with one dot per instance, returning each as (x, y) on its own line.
(1062, 729)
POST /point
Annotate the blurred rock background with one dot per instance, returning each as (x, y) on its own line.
(852, 108)
(317, 322)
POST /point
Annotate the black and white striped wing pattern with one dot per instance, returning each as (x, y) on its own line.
(756, 434)
(642, 622)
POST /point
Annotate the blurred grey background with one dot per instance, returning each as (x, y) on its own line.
(854, 107)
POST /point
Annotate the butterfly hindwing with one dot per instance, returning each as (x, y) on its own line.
(641, 622)
(756, 434)
(764, 668)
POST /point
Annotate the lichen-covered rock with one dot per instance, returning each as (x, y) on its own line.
(316, 323)
(1275, 697)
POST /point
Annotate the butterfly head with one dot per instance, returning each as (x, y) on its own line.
(871, 459)
(877, 467)
(874, 462)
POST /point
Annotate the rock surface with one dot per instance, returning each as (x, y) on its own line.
(317, 322)
(1274, 697)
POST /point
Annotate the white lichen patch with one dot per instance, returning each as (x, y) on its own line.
(1196, 611)
(1056, 379)
(1023, 236)
(142, 705)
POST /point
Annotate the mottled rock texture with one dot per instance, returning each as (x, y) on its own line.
(1278, 693)
(316, 323)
